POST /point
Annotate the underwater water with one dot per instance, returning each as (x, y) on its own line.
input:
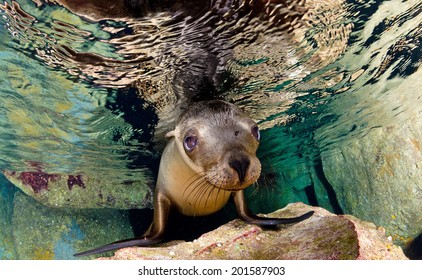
(90, 93)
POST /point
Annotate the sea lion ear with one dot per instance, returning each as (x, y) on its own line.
(170, 134)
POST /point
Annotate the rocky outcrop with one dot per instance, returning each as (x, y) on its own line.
(80, 191)
(7, 249)
(40, 232)
(375, 160)
(378, 178)
(33, 231)
(323, 236)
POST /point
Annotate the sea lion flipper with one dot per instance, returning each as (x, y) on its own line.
(141, 241)
(154, 234)
(245, 214)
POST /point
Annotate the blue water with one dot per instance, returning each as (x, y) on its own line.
(83, 95)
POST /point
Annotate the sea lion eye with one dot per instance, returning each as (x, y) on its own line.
(255, 132)
(190, 143)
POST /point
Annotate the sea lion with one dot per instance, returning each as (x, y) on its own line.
(210, 156)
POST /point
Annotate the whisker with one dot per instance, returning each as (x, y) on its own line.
(192, 185)
(255, 187)
(192, 179)
(211, 190)
(207, 190)
(202, 189)
(218, 190)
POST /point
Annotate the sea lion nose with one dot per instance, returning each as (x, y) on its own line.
(240, 165)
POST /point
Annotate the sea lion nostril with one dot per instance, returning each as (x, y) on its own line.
(240, 165)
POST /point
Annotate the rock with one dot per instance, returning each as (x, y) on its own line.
(323, 190)
(80, 191)
(40, 232)
(323, 236)
(371, 154)
(7, 248)
(378, 178)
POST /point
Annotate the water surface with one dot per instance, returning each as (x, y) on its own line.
(92, 94)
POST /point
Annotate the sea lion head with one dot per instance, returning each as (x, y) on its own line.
(218, 142)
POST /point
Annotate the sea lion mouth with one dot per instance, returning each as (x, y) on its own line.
(231, 188)
(204, 184)
(222, 183)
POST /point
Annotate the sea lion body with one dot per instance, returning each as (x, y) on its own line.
(210, 157)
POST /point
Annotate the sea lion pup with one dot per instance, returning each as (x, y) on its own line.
(210, 156)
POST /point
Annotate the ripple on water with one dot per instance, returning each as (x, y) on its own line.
(312, 70)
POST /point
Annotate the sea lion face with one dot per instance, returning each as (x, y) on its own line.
(219, 142)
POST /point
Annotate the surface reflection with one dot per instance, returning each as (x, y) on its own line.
(104, 80)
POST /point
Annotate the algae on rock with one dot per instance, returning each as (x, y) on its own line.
(41, 232)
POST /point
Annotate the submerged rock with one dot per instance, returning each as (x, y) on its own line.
(323, 236)
(79, 191)
(40, 232)
(378, 178)
(7, 249)
(374, 158)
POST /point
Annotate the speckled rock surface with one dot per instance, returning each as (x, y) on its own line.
(379, 178)
(40, 232)
(80, 191)
(323, 236)
(7, 249)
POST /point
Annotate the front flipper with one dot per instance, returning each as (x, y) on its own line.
(246, 215)
(154, 234)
